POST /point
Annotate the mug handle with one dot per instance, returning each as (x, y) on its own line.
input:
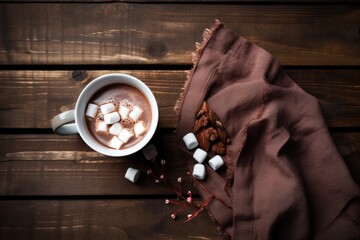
(61, 123)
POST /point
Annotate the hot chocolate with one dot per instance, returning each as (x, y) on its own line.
(118, 116)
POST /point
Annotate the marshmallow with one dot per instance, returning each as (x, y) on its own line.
(124, 112)
(107, 108)
(101, 126)
(200, 155)
(199, 171)
(91, 110)
(216, 162)
(139, 128)
(115, 143)
(190, 141)
(125, 135)
(132, 174)
(135, 113)
(116, 128)
(150, 152)
(111, 118)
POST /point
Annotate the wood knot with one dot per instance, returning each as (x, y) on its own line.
(156, 49)
(79, 75)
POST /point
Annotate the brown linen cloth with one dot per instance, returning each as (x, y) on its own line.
(284, 178)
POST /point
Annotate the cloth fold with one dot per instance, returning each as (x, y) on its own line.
(284, 178)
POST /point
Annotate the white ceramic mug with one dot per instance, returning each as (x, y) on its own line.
(63, 123)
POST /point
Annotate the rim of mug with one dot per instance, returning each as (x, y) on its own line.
(91, 89)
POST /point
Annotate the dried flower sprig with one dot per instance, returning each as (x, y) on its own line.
(159, 174)
(184, 201)
(201, 208)
(181, 204)
(207, 190)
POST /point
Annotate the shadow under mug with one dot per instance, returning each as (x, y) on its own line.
(63, 123)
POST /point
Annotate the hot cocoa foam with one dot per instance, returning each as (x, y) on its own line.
(120, 95)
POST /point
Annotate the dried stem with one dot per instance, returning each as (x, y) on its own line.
(203, 206)
(207, 190)
(159, 174)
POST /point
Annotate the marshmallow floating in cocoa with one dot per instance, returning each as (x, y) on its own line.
(101, 126)
(139, 128)
(116, 128)
(150, 152)
(200, 155)
(107, 108)
(115, 143)
(132, 174)
(111, 118)
(216, 162)
(190, 141)
(125, 135)
(124, 111)
(135, 113)
(199, 171)
(91, 110)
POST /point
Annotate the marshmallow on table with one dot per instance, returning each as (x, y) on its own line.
(200, 155)
(115, 143)
(199, 171)
(124, 111)
(135, 113)
(216, 162)
(116, 128)
(132, 174)
(150, 152)
(111, 118)
(190, 141)
(125, 135)
(101, 126)
(91, 110)
(139, 128)
(107, 108)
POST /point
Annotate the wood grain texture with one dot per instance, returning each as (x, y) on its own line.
(45, 165)
(29, 99)
(129, 33)
(60, 165)
(99, 219)
(56, 187)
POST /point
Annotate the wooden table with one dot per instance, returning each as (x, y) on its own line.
(55, 187)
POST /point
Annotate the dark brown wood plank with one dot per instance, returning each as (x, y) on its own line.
(45, 165)
(100, 219)
(29, 99)
(338, 92)
(129, 33)
(65, 165)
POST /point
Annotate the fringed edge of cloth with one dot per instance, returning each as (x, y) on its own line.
(207, 34)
